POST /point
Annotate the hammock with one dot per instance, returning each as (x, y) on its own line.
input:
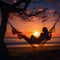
(20, 35)
(15, 31)
(53, 26)
(50, 31)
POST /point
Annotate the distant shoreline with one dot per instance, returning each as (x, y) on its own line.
(24, 42)
(17, 37)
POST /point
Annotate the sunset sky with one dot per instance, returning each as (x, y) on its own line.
(27, 25)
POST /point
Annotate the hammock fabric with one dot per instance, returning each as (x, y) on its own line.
(20, 35)
(15, 31)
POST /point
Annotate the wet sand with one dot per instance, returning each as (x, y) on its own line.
(29, 53)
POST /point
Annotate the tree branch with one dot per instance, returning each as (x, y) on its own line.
(13, 8)
(35, 13)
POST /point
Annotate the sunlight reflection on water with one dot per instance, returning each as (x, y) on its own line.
(15, 42)
(28, 45)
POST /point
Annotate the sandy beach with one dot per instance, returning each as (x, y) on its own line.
(29, 53)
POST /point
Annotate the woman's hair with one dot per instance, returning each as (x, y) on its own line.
(45, 29)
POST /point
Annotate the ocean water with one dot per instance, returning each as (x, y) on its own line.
(15, 42)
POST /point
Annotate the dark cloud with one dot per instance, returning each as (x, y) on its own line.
(49, 0)
(24, 18)
(54, 2)
(44, 16)
(58, 4)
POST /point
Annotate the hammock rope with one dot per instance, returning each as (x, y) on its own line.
(20, 35)
(53, 27)
(15, 31)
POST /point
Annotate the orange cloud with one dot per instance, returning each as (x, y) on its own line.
(35, 23)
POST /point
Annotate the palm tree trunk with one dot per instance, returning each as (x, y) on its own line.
(4, 54)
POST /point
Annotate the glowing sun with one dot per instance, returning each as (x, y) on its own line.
(36, 33)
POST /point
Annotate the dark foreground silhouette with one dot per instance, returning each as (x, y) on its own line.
(39, 55)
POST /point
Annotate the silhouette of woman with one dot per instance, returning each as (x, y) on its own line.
(45, 35)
